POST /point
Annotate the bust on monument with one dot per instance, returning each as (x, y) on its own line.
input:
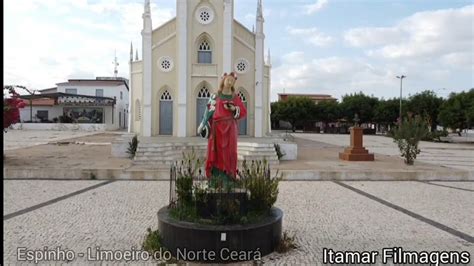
(220, 125)
(356, 151)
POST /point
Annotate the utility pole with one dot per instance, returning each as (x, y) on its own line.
(401, 86)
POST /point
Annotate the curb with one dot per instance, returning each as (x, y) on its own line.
(287, 175)
(314, 175)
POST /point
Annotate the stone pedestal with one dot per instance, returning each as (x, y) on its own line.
(356, 152)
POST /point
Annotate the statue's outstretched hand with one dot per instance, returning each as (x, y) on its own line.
(200, 129)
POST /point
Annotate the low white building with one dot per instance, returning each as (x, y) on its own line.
(81, 101)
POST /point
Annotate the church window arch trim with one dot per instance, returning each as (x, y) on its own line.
(204, 49)
(166, 96)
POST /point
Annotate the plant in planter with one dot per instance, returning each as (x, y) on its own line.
(246, 201)
(279, 153)
(132, 147)
(263, 188)
(407, 136)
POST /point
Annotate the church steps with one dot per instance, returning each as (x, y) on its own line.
(166, 153)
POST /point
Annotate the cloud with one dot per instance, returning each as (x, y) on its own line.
(49, 41)
(425, 35)
(311, 35)
(338, 76)
(316, 7)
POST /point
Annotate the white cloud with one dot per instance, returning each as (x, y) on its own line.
(49, 41)
(313, 8)
(426, 34)
(311, 35)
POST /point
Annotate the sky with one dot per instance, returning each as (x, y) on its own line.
(335, 47)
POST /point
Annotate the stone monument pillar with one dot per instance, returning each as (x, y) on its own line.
(356, 152)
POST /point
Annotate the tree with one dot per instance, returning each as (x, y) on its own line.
(11, 105)
(457, 112)
(327, 112)
(427, 105)
(387, 112)
(275, 113)
(408, 135)
(297, 110)
(360, 104)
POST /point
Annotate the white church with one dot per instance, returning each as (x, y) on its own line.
(183, 61)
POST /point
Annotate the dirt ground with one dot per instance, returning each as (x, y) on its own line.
(88, 152)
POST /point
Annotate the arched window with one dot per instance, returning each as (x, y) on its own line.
(138, 110)
(242, 96)
(166, 96)
(204, 52)
(204, 92)
(166, 113)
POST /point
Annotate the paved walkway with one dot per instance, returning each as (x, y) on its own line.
(89, 156)
(356, 216)
(16, 139)
(453, 155)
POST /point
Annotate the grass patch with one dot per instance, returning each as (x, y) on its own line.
(287, 243)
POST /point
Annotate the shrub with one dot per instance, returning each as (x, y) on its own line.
(65, 119)
(132, 147)
(436, 135)
(152, 242)
(279, 153)
(286, 244)
(407, 135)
(263, 189)
(184, 190)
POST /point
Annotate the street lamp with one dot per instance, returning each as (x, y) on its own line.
(401, 83)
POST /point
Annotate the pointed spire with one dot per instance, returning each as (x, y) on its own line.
(259, 10)
(147, 6)
(147, 18)
(136, 56)
(131, 51)
(253, 28)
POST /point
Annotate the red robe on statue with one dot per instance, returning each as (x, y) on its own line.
(222, 144)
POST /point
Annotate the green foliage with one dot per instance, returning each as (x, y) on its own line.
(132, 147)
(426, 104)
(436, 135)
(275, 113)
(408, 135)
(184, 189)
(190, 164)
(327, 111)
(278, 151)
(287, 243)
(65, 119)
(387, 111)
(92, 176)
(360, 104)
(185, 212)
(297, 110)
(263, 189)
(457, 112)
(152, 242)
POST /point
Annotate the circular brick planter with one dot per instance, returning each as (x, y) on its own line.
(220, 243)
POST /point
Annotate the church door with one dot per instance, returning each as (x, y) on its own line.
(201, 104)
(243, 122)
(166, 114)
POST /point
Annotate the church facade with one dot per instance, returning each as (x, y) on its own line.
(183, 61)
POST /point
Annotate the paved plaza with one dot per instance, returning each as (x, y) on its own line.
(452, 155)
(359, 216)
